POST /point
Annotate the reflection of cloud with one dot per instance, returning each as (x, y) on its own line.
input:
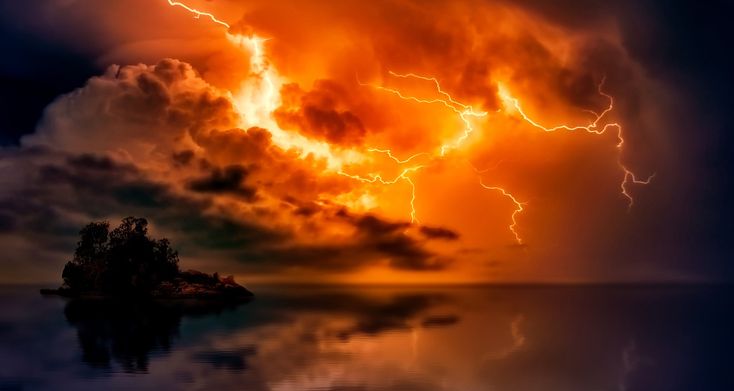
(439, 320)
(317, 344)
(232, 360)
(284, 341)
(371, 316)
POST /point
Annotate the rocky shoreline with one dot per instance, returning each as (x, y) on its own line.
(190, 284)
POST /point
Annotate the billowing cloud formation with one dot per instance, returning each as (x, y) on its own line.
(318, 113)
(335, 138)
(158, 141)
(227, 180)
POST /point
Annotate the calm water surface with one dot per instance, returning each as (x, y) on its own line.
(327, 338)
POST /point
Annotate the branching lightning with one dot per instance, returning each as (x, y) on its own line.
(629, 177)
(377, 178)
(197, 13)
(464, 112)
(258, 102)
(518, 208)
(260, 97)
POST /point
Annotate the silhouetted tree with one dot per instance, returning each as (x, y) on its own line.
(124, 260)
(89, 263)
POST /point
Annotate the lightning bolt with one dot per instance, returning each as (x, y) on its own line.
(395, 159)
(261, 110)
(513, 104)
(464, 113)
(377, 178)
(197, 14)
(462, 110)
(518, 208)
(629, 177)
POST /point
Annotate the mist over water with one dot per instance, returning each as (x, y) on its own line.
(375, 338)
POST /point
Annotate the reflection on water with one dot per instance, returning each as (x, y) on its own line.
(127, 332)
(327, 338)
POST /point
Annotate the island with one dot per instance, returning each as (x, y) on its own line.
(126, 263)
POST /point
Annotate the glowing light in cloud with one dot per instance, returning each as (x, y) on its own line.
(197, 13)
(259, 97)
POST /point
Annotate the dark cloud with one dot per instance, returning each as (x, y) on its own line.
(322, 113)
(7, 222)
(375, 226)
(92, 162)
(227, 180)
(92, 187)
(439, 321)
(402, 252)
(140, 114)
(439, 233)
(183, 158)
(221, 232)
(306, 210)
(387, 237)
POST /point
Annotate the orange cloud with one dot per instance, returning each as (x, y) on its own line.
(297, 119)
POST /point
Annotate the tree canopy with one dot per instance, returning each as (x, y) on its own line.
(122, 261)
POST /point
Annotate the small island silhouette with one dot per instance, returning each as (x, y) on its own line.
(126, 263)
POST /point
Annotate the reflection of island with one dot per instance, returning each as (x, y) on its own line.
(128, 332)
(121, 284)
(125, 262)
(119, 335)
(376, 338)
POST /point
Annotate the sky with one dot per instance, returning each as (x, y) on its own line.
(392, 141)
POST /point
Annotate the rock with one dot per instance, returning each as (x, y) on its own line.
(190, 284)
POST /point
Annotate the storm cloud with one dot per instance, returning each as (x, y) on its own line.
(167, 140)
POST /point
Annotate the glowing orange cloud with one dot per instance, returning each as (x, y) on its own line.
(260, 96)
(464, 112)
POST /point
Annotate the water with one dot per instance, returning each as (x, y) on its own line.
(354, 339)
